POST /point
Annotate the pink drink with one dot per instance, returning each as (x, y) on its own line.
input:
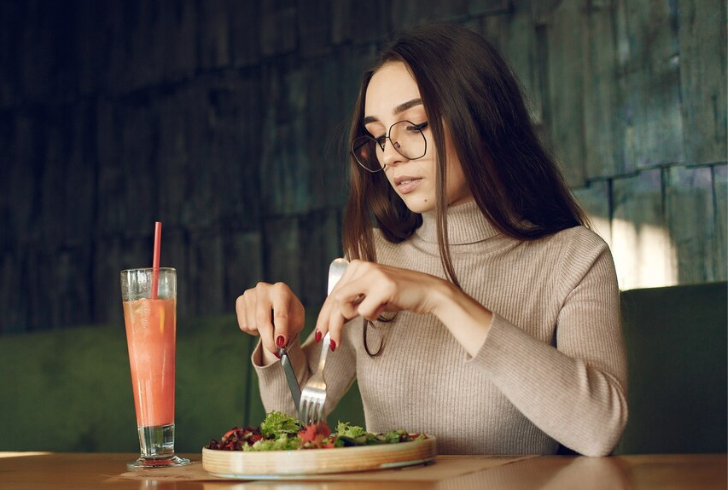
(151, 324)
(150, 334)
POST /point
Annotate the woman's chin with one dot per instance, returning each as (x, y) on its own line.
(419, 204)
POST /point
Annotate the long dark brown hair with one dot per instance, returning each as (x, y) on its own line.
(467, 87)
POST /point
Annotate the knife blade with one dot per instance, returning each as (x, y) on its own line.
(290, 377)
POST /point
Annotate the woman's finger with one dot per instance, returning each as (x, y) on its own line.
(322, 321)
(345, 300)
(369, 307)
(288, 317)
(334, 327)
(240, 313)
(263, 317)
(249, 300)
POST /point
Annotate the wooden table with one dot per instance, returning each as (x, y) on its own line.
(31, 471)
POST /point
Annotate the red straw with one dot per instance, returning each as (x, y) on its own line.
(155, 259)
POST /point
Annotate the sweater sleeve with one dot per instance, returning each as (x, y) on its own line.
(339, 373)
(576, 391)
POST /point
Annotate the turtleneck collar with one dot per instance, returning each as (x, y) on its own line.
(465, 224)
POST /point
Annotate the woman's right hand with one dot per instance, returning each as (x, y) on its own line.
(271, 311)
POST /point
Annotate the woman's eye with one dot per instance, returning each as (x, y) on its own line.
(417, 127)
(381, 140)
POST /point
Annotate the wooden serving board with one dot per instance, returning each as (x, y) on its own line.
(271, 464)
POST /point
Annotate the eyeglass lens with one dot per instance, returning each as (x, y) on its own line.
(404, 136)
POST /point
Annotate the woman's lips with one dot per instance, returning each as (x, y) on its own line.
(405, 185)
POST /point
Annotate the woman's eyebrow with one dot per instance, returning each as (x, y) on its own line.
(407, 105)
(397, 110)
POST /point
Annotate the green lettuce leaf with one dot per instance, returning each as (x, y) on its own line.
(277, 424)
(347, 430)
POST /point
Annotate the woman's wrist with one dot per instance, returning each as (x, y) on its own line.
(449, 297)
(467, 320)
(444, 297)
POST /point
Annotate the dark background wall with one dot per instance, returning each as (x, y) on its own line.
(224, 119)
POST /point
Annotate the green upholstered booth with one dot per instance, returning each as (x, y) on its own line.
(676, 348)
(70, 389)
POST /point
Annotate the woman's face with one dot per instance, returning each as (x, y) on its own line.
(393, 96)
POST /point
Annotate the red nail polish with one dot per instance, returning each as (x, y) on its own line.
(333, 345)
(277, 355)
(317, 336)
(280, 342)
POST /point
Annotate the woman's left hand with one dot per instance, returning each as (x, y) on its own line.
(367, 289)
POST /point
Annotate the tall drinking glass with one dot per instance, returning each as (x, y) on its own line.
(151, 324)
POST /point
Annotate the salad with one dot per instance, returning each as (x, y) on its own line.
(279, 432)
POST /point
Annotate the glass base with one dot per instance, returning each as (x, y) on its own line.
(144, 463)
(157, 448)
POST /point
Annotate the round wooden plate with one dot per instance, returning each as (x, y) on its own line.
(277, 464)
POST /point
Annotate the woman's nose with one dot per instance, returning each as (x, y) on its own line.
(391, 156)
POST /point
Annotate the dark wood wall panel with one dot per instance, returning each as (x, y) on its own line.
(226, 120)
(703, 59)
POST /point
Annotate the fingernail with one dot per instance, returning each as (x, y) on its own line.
(317, 336)
(277, 355)
(332, 344)
(280, 341)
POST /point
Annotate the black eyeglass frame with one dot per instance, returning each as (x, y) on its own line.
(395, 144)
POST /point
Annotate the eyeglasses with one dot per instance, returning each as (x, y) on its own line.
(406, 138)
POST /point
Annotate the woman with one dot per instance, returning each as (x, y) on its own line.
(481, 310)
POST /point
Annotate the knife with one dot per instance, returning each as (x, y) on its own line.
(290, 377)
(336, 270)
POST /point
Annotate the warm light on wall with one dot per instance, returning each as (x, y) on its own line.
(644, 255)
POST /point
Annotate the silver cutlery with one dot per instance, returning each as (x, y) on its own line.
(313, 396)
(290, 377)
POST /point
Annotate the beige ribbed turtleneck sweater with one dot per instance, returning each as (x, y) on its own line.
(551, 370)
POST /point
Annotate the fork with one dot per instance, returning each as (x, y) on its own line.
(313, 395)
